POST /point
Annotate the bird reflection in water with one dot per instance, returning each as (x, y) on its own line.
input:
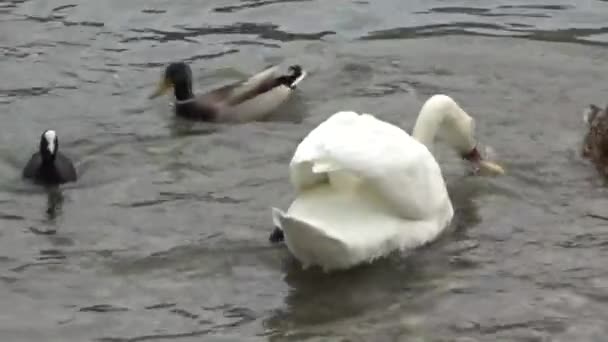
(54, 202)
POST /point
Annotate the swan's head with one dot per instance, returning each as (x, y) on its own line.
(481, 165)
(442, 115)
(459, 132)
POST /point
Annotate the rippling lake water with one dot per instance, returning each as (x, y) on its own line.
(164, 237)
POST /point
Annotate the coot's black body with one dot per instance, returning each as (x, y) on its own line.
(48, 166)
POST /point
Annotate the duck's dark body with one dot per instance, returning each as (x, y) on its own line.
(52, 172)
(246, 100)
(197, 111)
(49, 166)
(595, 145)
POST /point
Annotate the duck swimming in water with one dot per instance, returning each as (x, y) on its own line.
(595, 144)
(49, 166)
(247, 100)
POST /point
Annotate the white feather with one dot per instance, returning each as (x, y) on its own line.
(50, 137)
(586, 114)
(365, 188)
(299, 79)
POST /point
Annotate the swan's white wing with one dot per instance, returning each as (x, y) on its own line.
(400, 169)
(339, 229)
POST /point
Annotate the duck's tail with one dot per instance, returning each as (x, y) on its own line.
(297, 74)
(592, 112)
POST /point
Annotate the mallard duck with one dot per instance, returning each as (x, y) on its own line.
(251, 99)
(595, 145)
(49, 166)
(365, 188)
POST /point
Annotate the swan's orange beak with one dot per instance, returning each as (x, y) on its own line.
(482, 166)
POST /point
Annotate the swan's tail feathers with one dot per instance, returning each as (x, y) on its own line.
(277, 234)
(276, 217)
(311, 245)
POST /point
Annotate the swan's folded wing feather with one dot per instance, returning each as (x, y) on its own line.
(311, 162)
(399, 168)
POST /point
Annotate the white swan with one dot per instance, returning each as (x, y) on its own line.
(366, 188)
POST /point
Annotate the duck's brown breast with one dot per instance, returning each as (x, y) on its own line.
(595, 145)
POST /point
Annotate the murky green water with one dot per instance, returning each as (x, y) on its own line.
(164, 238)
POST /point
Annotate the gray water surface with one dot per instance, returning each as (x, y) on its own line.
(164, 237)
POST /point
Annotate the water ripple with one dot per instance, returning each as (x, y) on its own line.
(103, 308)
(237, 316)
(155, 337)
(59, 8)
(541, 7)
(482, 12)
(165, 197)
(264, 31)
(252, 4)
(462, 28)
(153, 11)
(6, 5)
(33, 91)
(190, 59)
(60, 19)
(569, 35)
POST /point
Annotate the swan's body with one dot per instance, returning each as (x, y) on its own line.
(365, 188)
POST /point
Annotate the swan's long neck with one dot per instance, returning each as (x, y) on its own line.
(442, 112)
(428, 122)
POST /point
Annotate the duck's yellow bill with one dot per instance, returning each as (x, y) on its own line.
(487, 167)
(163, 86)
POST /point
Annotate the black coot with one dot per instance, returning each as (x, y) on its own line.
(48, 166)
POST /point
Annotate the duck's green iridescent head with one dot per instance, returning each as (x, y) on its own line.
(176, 75)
